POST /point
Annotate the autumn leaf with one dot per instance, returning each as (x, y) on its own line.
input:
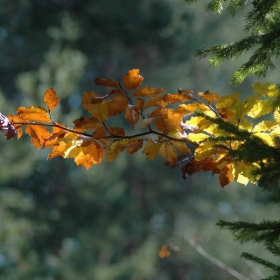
(85, 123)
(148, 91)
(209, 96)
(132, 79)
(134, 145)
(168, 152)
(226, 175)
(228, 100)
(51, 99)
(151, 149)
(270, 90)
(164, 252)
(174, 98)
(37, 114)
(117, 105)
(260, 108)
(131, 115)
(116, 131)
(106, 82)
(38, 134)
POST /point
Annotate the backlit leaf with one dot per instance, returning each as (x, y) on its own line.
(181, 147)
(262, 107)
(264, 126)
(270, 90)
(38, 114)
(227, 100)
(209, 96)
(226, 175)
(38, 134)
(51, 99)
(134, 145)
(132, 79)
(85, 123)
(174, 98)
(156, 101)
(145, 122)
(148, 91)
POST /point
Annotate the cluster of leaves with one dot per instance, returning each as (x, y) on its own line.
(262, 24)
(203, 132)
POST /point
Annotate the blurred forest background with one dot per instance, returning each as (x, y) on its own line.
(59, 221)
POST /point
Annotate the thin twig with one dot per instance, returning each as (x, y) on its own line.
(215, 261)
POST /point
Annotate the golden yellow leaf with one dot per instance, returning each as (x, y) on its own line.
(260, 108)
(151, 149)
(117, 105)
(276, 114)
(197, 137)
(148, 91)
(270, 90)
(132, 79)
(264, 126)
(227, 100)
(209, 96)
(187, 109)
(267, 138)
(99, 111)
(244, 172)
(51, 99)
(169, 123)
(168, 152)
(38, 114)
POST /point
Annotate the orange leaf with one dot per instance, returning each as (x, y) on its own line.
(56, 134)
(99, 133)
(174, 98)
(51, 99)
(168, 152)
(38, 134)
(132, 79)
(116, 131)
(148, 91)
(134, 145)
(131, 115)
(57, 150)
(169, 123)
(117, 105)
(151, 150)
(226, 175)
(156, 101)
(37, 114)
(89, 155)
(187, 109)
(209, 96)
(85, 123)
(139, 104)
(106, 82)
(163, 252)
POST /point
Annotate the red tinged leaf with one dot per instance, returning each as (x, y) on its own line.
(116, 131)
(6, 127)
(106, 82)
(134, 145)
(51, 99)
(131, 115)
(226, 175)
(132, 79)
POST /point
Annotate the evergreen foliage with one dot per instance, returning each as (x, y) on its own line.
(262, 25)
